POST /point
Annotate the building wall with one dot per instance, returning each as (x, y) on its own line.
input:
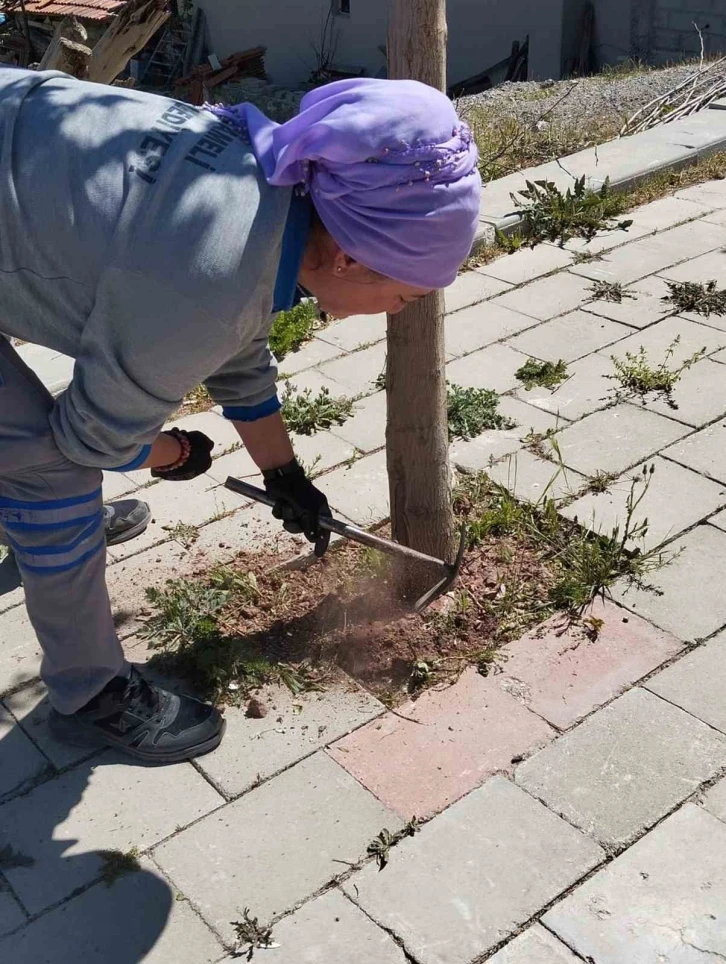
(481, 33)
(674, 34)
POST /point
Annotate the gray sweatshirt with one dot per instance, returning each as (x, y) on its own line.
(138, 235)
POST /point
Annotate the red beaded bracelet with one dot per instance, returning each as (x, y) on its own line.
(186, 448)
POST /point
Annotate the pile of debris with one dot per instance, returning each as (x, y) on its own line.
(196, 87)
(278, 103)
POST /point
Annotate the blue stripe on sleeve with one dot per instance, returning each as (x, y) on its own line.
(134, 463)
(251, 413)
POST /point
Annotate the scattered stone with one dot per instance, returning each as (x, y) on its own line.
(256, 710)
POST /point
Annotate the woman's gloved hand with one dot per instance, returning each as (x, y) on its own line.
(196, 457)
(298, 503)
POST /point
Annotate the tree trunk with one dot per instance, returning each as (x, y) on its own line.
(128, 34)
(67, 50)
(417, 440)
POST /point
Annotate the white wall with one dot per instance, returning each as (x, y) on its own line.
(481, 33)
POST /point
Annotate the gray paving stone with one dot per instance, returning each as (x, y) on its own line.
(625, 767)
(54, 369)
(470, 288)
(317, 452)
(116, 485)
(11, 587)
(486, 845)
(312, 353)
(569, 337)
(11, 916)
(20, 760)
(688, 601)
(716, 217)
(481, 325)
(479, 453)
(276, 845)
(356, 373)
(294, 728)
(535, 946)
(105, 804)
(350, 333)
(313, 379)
(676, 499)
(616, 438)
(585, 390)
(644, 309)
(128, 580)
(697, 683)
(548, 297)
(703, 451)
(221, 430)
(251, 529)
(710, 193)
(714, 800)
(699, 396)
(491, 368)
(532, 479)
(527, 264)
(661, 901)
(361, 491)
(331, 930)
(707, 267)
(31, 708)
(659, 338)
(366, 428)
(719, 520)
(19, 650)
(137, 919)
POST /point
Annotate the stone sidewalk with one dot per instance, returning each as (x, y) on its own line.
(574, 802)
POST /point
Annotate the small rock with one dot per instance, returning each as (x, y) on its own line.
(256, 710)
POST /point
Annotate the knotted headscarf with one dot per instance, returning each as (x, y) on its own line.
(391, 169)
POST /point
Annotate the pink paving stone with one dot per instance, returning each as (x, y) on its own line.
(471, 730)
(563, 676)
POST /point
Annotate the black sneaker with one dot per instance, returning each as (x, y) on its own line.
(143, 720)
(124, 520)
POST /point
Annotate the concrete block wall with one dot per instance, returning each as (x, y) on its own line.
(674, 34)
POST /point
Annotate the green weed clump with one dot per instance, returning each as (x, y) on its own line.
(305, 413)
(472, 411)
(293, 328)
(638, 377)
(541, 374)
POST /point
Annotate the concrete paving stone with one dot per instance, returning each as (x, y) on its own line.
(532, 479)
(478, 454)
(707, 267)
(116, 485)
(491, 368)
(481, 325)
(19, 650)
(710, 193)
(697, 683)
(54, 369)
(331, 930)
(535, 946)
(527, 264)
(716, 217)
(614, 439)
(644, 309)
(312, 353)
(624, 767)
(560, 674)
(455, 890)
(31, 708)
(294, 727)
(350, 333)
(104, 804)
(585, 390)
(276, 845)
(360, 492)
(136, 919)
(658, 339)
(467, 732)
(220, 429)
(129, 578)
(547, 297)
(311, 378)
(698, 395)
(20, 759)
(714, 800)
(719, 520)
(11, 587)
(470, 288)
(366, 428)
(11, 916)
(193, 503)
(687, 601)
(703, 451)
(251, 529)
(356, 373)
(676, 499)
(569, 337)
(661, 901)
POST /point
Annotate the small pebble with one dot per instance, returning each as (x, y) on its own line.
(256, 710)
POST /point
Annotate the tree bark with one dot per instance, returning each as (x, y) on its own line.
(128, 33)
(417, 438)
(67, 50)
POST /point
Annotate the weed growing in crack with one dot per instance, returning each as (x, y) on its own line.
(305, 413)
(610, 291)
(472, 411)
(585, 257)
(537, 374)
(187, 611)
(293, 328)
(183, 532)
(380, 846)
(638, 378)
(579, 212)
(116, 864)
(251, 935)
(701, 299)
(600, 482)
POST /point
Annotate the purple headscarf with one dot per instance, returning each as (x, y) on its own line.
(391, 169)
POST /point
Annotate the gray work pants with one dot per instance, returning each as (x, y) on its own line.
(51, 513)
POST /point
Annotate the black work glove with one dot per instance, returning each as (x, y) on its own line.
(199, 461)
(298, 503)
